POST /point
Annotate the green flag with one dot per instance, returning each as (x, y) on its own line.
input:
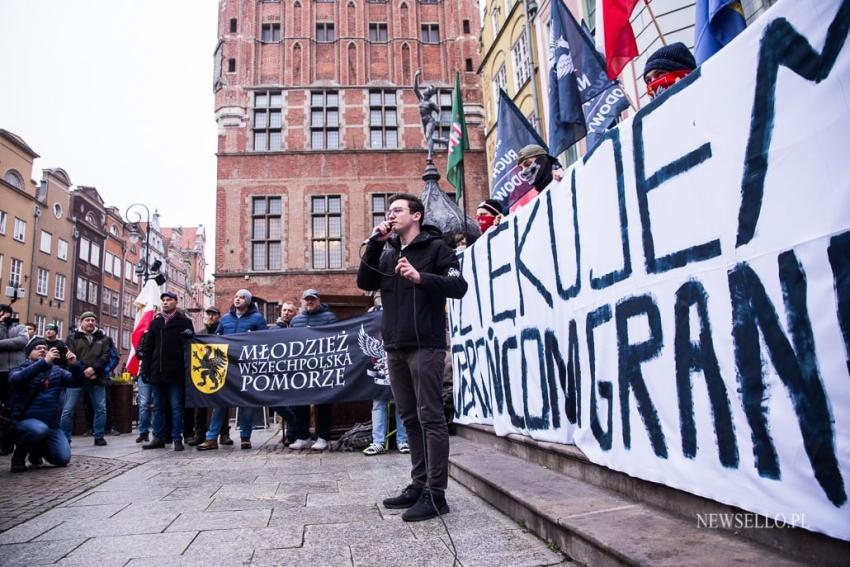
(458, 142)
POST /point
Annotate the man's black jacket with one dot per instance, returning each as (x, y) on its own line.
(414, 314)
(162, 356)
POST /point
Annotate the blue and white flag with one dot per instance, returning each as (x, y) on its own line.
(512, 134)
(582, 99)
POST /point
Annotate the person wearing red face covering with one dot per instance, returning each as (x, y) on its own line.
(667, 66)
(488, 215)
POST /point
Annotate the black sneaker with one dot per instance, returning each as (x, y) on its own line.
(142, 438)
(424, 508)
(178, 444)
(36, 460)
(154, 444)
(225, 439)
(100, 441)
(19, 462)
(408, 497)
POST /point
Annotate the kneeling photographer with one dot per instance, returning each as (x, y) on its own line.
(37, 392)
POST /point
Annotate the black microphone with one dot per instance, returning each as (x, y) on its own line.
(376, 236)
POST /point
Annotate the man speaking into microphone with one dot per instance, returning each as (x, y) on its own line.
(416, 271)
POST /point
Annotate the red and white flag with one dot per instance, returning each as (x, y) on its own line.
(614, 34)
(147, 305)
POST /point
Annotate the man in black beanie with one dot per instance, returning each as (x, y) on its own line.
(668, 65)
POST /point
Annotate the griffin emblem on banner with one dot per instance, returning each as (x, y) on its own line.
(209, 367)
(374, 349)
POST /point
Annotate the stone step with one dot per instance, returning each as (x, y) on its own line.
(805, 545)
(593, 525)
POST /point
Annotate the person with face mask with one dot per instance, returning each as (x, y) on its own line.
(538, 169)
(488, 215)
(666, 67)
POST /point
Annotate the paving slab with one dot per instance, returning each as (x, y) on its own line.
(259, 507)
(127, 547)
(26, 554)
(199, 521)
(214, 542)
(327, 555)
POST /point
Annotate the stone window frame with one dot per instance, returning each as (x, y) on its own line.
(263, 215)
(324, 209)
(429, 33)
(324, 120)
(383, 118)
(267, 121)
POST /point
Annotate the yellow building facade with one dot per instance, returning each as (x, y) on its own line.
(17, 221)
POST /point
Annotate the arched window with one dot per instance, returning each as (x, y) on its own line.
(14, 179)
(57, 210)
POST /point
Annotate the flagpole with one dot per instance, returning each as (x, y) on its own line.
(655, 22)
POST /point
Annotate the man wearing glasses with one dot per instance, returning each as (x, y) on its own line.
(416, 271)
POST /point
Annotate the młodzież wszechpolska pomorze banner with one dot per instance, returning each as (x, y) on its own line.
(344, 361)
(678, 306)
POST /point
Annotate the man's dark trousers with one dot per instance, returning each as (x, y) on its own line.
(417, 375)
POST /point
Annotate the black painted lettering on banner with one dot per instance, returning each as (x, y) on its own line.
(573, 386)
(521, 267)
(839, 260)
(630, 357)
(575, 288)
(700, 356)
(462, 377)
(609, 279)
(596, 318)
(753, 311)
(480, 397)
(554, 359)
(473, 253)
(468, 329)
(644, 184)
(534, 422)
(517, 420)
(498, 272)
(781, 45)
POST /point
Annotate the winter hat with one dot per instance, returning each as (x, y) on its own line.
(530, 151)
(492, 206)
(673, 57)
(245, 294)
(34, 343)
(88, 314)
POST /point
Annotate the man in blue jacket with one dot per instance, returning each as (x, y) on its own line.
(37, 391)
(314, 314)
(243, 317)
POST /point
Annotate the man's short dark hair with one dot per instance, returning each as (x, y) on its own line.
(5, 308)
(413, 203)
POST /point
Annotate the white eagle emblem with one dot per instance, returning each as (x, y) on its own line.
(374, 349)
(560, 58)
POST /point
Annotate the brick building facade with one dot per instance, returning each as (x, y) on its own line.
(318, 122)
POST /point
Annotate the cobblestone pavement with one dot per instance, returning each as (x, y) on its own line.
(25, 496)
(267, 506)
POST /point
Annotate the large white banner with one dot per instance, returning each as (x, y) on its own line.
(679, 305)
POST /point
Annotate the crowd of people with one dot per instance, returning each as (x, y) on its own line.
(42, 379)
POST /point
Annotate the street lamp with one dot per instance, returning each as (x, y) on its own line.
(133, 214)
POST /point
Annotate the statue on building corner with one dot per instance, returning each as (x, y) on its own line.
(429, 110)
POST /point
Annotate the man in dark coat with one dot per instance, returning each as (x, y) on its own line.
(416, 272)
(164, 366)
(94, 351)
(37, 388)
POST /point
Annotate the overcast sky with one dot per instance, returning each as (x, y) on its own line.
(119, 94)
